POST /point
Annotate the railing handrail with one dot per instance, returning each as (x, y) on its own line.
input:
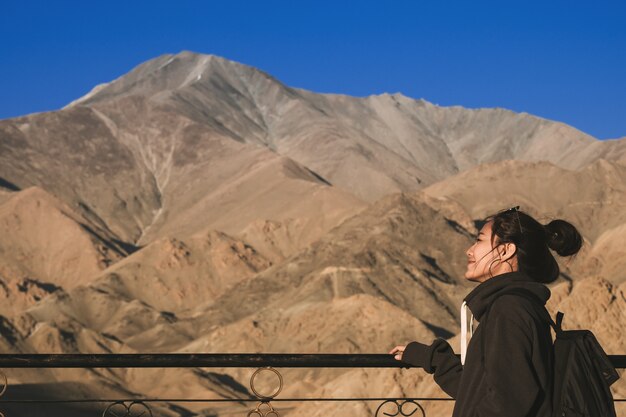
(214, 360)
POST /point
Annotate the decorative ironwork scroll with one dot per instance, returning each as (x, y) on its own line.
(259, 412)
(264, 408)
(401, 408)
(132, 409)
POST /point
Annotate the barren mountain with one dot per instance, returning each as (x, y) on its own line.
(376, 279)
(196, 204)
(146, 155)
(173, 275)
(392, 251)
(268, 188)
(73, 155)
(374, 132)
(355, 289)
(46, 246)
(184, 289)
(607, 257)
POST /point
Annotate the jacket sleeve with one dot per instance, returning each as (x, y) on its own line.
(438, 359)
(511, 385)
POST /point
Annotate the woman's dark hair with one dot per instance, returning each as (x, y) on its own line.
(534, 241)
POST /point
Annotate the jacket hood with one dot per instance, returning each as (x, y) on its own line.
(479, 299)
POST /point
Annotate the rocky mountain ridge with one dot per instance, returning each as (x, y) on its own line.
(200, 205)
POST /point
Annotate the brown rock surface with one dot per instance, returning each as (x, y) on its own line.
(175, 276)
(392, 251)
(46, 246)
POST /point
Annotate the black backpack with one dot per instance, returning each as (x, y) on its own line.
(583, 372)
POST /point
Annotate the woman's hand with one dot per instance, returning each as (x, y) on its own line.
(397, 352)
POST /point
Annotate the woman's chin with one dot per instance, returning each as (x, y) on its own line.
(470, 276)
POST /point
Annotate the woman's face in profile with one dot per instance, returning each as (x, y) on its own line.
(480, 256)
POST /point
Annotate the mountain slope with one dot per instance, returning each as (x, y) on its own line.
(370, 145)
(46, 246)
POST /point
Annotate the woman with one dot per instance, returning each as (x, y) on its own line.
(506, 370)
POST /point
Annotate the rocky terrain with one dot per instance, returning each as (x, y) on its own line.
(196, 204)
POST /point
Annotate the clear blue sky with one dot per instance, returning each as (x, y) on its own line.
(563, 60)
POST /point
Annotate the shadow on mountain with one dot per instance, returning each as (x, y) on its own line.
(479, 223)
(75, 399)
(319, 177)
(437, 273)
(8, 185)
(128, 247)
(18, 400)
(439, 332)
(458, 228)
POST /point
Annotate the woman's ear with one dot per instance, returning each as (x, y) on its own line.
(507, 251)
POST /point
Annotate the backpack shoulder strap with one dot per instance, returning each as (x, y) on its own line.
(559, 320)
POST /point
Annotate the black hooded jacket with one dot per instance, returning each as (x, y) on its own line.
(509, 359)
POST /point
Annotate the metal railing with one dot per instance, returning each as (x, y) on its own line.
(136, 407)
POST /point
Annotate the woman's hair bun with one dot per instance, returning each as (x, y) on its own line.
(563, 238)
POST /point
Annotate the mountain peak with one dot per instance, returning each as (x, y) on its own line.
(168, 73)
